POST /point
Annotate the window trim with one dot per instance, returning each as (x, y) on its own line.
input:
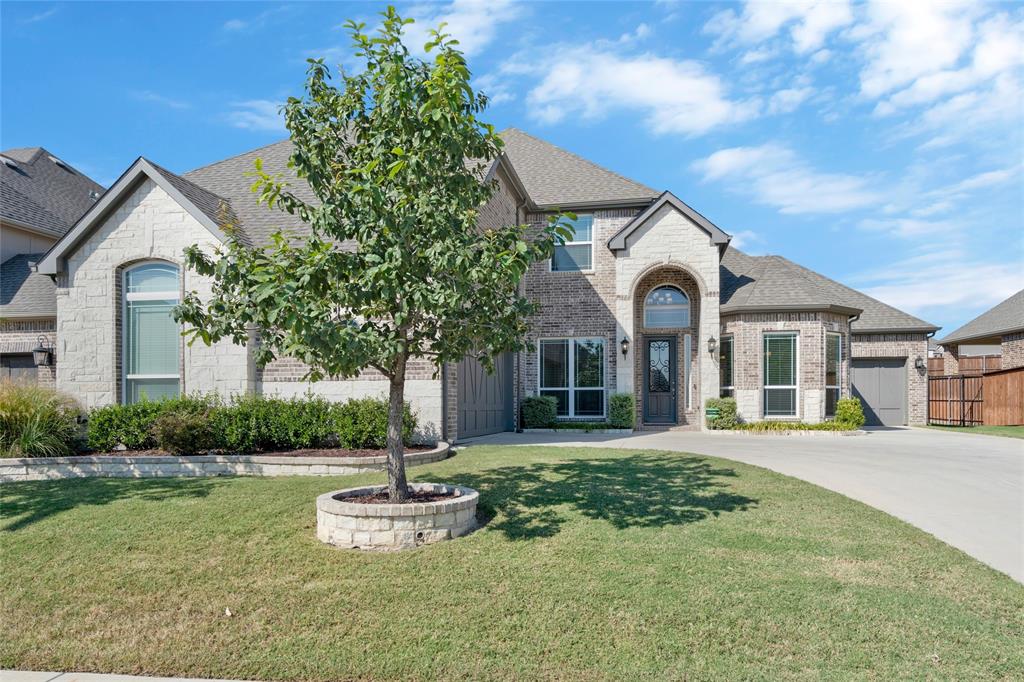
(795, 335)
(731, 338)
(590, 242)
(838, 386)
(689, 307)
(126, 298)
(571, 388)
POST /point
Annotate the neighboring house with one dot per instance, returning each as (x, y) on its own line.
(41, 197)
(648, 299)
(1002, 325)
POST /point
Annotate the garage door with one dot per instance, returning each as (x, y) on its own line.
(18, 368)
(485, 400)
(881, 385)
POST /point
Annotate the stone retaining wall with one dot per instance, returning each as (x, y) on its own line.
(44, 468)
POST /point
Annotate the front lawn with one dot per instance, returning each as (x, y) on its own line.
(594, 564)
(1007, 431)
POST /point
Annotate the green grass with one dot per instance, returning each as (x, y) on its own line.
(1007, 431)
(593, 564)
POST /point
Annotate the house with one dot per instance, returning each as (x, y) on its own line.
(1001, 326)
(649, 298)
(41, 197)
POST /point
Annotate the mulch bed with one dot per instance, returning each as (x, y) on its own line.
(311, 452)
(415, 497)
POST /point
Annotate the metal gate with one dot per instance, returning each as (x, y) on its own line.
(485, 400)
(881, 385)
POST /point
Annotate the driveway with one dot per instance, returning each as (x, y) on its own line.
(964, 489)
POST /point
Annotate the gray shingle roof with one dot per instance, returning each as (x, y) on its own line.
(766, 282)
(555, 177)
(228, 179)
(1006, 317)
(41, 194)
(24, 293)
(215, 207)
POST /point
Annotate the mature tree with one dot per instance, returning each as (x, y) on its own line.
(395, 266)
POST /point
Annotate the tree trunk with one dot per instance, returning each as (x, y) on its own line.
(398, 489)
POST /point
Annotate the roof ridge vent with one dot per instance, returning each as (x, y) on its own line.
(10, 163)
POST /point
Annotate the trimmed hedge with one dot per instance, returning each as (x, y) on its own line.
(849, 411)
(245, 424)
(621, 411)
(539, 411)
(794, 426)
(726, 418)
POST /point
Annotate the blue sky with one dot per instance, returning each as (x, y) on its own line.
(879, 143)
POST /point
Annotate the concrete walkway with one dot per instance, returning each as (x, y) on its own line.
(967, 490)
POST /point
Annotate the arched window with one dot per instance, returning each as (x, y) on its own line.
(666, 307)
(151, 340)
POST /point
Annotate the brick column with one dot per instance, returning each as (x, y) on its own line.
(950, 359)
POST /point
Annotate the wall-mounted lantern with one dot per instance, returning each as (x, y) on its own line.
(42, 354)
(919, 364)
(712, 345)
(624, 344)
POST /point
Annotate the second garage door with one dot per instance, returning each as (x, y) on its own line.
(881, 385)
(485, 400)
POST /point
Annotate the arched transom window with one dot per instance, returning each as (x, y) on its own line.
(666, 307)
(151, 338)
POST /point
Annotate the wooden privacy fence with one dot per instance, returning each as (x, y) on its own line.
(994, 399)
(956, 400)
(968, 364)
(1004, 397)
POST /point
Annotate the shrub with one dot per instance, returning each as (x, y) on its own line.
(539, 411)
(184, 431)
(132, 425)
(850, 413)
(794, 426)
(621, 412)
(363, 423)
(36, 421)
(726, 418)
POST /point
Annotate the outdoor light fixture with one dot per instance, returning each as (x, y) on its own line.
(41, 354)
(625, 345)
(919, 363)
(712, 344)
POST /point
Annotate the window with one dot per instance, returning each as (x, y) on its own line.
(577, 254)
(780, 375)
(725, 368)
(833, 364)
(151, 339)
(572, 372)
(666, 307)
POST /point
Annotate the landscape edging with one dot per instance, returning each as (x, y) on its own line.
(145, 466)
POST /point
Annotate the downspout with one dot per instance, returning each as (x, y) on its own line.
(518, 395)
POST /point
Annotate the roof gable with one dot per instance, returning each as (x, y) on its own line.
(210, 210)
(41, 193)
(618, 240)
(1003, 318)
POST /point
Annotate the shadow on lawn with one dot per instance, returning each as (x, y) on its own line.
(26, 503)
(646, 491)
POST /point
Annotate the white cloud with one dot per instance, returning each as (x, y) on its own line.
(785, 101)
(235, 25)
(775, 176)
(746, 239)
(943, 281)
(254, 23)
(474, 23)
(256, 114)
(810, 23)
(40, 16)
(673, 96)
(157, 98)
(908, 228)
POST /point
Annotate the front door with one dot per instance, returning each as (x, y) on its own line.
(660, 380)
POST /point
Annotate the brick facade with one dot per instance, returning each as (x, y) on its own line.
(19, 337)
(906, 346)
(1013, 350)
(748, 330)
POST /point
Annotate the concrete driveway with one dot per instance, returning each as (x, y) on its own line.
(966, 490)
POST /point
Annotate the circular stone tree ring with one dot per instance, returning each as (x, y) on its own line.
(388, 527)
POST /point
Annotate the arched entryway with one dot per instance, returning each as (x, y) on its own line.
(666, 320)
